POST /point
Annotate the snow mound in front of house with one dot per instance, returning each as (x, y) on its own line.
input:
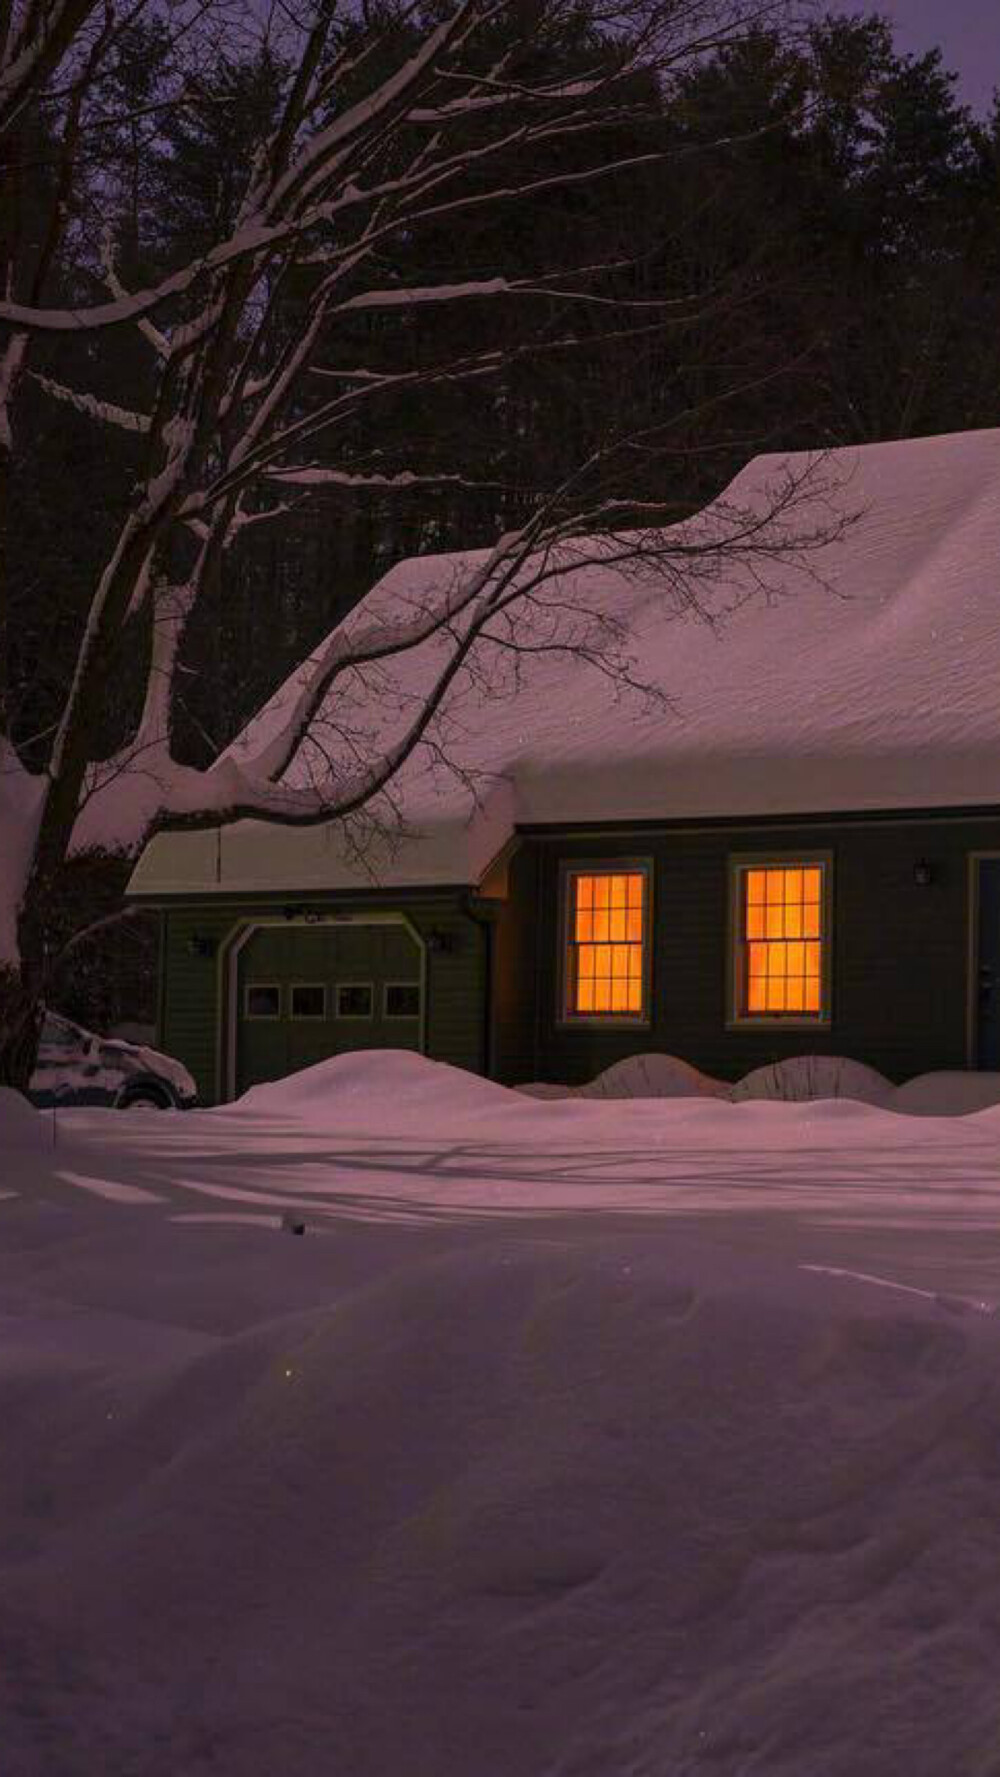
(21, 1126)
(371, 1081)
(801, 1078)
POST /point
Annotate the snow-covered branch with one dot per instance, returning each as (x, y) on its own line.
(105, 411)
(402, 479)
(345, 273)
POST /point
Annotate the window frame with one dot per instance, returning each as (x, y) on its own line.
(738, 864)
(262, 1017)
(307, 1017)
(355, 1017)
(399, 1017)
(566, 1018)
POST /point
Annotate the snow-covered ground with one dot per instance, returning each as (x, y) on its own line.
(576, 1438)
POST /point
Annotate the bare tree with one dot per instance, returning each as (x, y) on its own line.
(387, 126)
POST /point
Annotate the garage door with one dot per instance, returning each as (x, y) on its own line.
(308, 992)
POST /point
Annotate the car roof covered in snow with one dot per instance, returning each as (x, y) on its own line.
(861, 672)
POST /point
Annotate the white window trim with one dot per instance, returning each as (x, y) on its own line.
(739, 1019)
(566, 1018)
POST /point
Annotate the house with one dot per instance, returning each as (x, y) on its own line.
(800, 853)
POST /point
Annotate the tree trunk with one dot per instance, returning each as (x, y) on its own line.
(22, 1005)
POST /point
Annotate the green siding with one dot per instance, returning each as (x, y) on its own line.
(900, 951)
(456, 999)
(189, 1009)
(899, 985)
(190, 1001)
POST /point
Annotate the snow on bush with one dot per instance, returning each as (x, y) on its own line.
(639, 1076)
(803, 1077)
(796, 1080)
(654, 1076)
(946, 1094)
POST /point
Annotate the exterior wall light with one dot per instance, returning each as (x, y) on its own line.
(198, 945)
(923, 873)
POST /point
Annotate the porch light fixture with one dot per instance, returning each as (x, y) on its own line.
(439, 941)
(198, 945)
(923, 873)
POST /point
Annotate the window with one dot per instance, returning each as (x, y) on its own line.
(401, 999)
(354, 999)
(607, 923)
(308, 1000)
(782, 940)
(262, 1000)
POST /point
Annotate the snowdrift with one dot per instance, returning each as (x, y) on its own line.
(372, 1081)
(21, 1126)
(577, 1506)
(572, 1440)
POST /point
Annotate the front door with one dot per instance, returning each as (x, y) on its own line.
(306, 992)
(986, 986)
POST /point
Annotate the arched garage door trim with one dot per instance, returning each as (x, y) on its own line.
(229, 958)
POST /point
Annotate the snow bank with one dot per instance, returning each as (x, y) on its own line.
(579, 1505)
(375, 1081)
(370, 1086)
(21, 1126)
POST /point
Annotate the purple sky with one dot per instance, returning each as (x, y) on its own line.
(968, 32)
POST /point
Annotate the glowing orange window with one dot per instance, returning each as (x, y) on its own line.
(607, 941)
(782, 939)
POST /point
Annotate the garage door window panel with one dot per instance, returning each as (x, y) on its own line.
(401, 999)
(308, 1001)
(355, 999)
(262, 1001)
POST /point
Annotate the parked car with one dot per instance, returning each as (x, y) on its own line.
(75, 1067)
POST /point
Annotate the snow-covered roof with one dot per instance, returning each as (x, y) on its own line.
(865, 676)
